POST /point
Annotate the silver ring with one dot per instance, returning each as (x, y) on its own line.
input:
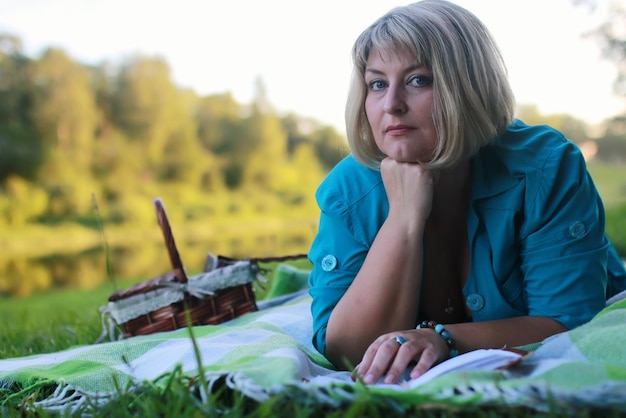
(400, 340)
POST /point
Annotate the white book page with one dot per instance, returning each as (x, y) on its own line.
(482, 359)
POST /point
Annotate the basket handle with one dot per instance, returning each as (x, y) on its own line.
(177, 264)
(280, 258)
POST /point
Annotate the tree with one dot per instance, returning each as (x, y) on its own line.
(158, 117)
(216, 117)
(65, 119)
(612, 146)
(20, 152)
(21, 201)
(269, 154)
(611, 37)
(329, 146)
(64, 110)
(574, 129)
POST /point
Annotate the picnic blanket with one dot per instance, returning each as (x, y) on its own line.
(270, 350)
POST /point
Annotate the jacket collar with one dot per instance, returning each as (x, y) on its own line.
(490, 175)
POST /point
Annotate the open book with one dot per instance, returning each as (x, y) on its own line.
(482, 359)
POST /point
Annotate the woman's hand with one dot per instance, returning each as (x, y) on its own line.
(389, 357)
(409, 188)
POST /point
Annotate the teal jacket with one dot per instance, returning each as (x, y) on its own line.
(535, 227)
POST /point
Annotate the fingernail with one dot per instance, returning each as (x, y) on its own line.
(368, 379)
(390, 378)
(415, 374)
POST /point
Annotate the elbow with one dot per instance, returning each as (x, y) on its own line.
(344, 352)
(331, 351)
(340, 358)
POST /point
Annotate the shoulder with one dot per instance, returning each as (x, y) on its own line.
(347, 184)
(532, 146)
(531, 152)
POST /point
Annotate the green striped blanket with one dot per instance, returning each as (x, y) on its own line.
(270, 350)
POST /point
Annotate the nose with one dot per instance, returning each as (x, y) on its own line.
(394, 101)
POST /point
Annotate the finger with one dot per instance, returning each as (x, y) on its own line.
(361, 369)
(407, 353)
(386, 164)
(371, 352)
(427, 359)
(379, 363)
(367, 359)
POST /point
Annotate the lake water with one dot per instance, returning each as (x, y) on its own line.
(24, 275)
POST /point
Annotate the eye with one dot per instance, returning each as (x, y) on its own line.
(377, 84)
(419, 80)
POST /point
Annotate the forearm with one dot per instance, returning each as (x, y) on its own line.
(509, 332)
(384, 295)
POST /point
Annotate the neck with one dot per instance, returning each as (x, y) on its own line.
(453, 185)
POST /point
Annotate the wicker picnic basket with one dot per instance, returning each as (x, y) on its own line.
(222, 292)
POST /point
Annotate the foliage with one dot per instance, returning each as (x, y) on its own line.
(573, 129)
(612, 147)
(128, 132)
(20, 152)
(21, 201)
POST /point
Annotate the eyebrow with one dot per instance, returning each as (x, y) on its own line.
(406, 70)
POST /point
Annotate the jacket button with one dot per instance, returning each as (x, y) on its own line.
(329, 262)
(475, 302)
(577, 229)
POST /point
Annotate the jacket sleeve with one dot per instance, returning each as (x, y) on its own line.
(336, 256)
(353, 206)
(564, 250)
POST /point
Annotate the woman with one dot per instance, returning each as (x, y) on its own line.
(450, 218)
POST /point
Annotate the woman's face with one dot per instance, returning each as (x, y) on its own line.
(399, 106)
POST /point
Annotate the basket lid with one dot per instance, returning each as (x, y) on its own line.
(143, 287)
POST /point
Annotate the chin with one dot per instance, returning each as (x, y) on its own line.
(406, 156)
(406, 159)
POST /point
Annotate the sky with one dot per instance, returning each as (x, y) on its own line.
(300, 50)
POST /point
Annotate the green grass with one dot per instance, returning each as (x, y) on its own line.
(176, 399)
(610, 179)
(51, 321)
(616, 227)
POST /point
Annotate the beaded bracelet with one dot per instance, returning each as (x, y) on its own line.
(444, 333)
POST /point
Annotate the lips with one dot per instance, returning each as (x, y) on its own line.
(396, 130)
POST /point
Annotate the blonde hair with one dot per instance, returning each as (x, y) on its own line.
(473, 101)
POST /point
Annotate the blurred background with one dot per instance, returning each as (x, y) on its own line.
(232, 113)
